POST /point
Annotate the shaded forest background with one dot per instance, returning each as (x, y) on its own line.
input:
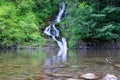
(94, 22)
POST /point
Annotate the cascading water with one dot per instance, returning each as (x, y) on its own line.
(61, 10)
(52, 31)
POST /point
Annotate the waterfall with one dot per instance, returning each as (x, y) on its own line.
(52, 31)
(61, 10)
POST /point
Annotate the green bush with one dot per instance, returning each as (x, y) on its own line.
(86, 24)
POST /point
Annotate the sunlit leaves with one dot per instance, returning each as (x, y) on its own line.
(25, 6)
(18, 24)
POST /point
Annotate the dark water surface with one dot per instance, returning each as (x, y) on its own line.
(42, 64)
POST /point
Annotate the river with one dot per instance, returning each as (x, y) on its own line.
(41, 64)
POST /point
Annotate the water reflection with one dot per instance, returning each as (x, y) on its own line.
(56, 58)
(85, 61)
(62, 54)
(19, 63)
(93, 54)
(54, 62)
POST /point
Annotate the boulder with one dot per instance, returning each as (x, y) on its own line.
(89, 76)
(117, 65)
(72, 79)
(110, 77)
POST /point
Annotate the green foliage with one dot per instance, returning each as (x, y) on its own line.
(92, 21)
(78, 26)
(45, 9)
(19, 23)
(88, 24)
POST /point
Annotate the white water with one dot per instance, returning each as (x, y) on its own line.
(61, 10)
(52, 31)
(56, 59)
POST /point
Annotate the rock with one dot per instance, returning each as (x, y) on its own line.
(1, 72)
(55, 66)
(17, 79)
(76, 76)
(59, 75)
(90, 76)
(117, 65)
(110, 77)
(74, 66)
(25, 73)
(16, 66)
(72, 79)
(79, 73)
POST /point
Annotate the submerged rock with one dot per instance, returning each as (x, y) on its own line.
(75, 66)
(90, 76)
(1, 72)
(72, 79)
(110, 77)
(59, 75)
(55, 66)
(117, 65)
(16, 66)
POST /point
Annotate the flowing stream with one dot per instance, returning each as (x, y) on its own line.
(52, 31)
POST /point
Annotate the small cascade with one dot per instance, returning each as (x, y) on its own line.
(61, 10)
(52, 31)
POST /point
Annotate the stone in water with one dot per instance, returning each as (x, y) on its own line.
(117, 65)
(110, 77)
(89, 76)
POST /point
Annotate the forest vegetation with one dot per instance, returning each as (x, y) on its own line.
(84, 21)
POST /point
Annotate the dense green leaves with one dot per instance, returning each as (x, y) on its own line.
(92, 21)
(20, 23)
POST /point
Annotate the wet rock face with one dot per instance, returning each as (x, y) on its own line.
(110, 77)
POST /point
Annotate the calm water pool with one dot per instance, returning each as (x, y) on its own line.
(41, 64)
